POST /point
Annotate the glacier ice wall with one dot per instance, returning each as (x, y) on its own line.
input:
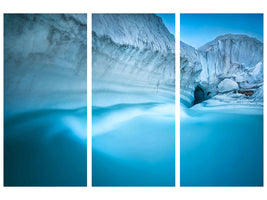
(45, 61)
(45, 99)
(133, 83)
(229, 56)
(143, 31)
(190, 68)
(131, 54)
(238, 58)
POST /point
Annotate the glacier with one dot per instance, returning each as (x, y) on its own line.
(190, 68)
(145, 63)
(45, 99)
(133, 95)
(221, 112)
(45, 55)
(232, 57)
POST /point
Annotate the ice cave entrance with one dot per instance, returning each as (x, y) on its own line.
(199, 94)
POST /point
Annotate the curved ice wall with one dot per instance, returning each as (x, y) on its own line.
(132, 54)
(45, 100)
(237, 58)
(190, 68)
(45, 61)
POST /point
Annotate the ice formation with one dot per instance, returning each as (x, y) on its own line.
(132, 59)
(230, 63)
(133, 90)
(45, 102)
(190, 68)
(45, 56)
(227, 85)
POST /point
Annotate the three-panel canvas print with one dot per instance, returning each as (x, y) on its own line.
(135, 110)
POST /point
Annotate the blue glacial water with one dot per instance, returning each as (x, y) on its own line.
(133, 145)
(46, 148)
(222, 147)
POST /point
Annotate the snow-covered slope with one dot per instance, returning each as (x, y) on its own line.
(238, 58)
(45, 55)
(131, 54)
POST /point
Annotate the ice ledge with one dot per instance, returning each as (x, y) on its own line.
(229, 37)
(144, 31)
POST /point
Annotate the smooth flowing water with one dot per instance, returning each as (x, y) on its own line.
(133, 145)
(46, 148)
(221, 147)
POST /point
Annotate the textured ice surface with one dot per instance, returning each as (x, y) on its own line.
(190, 68)
(238, 58)
(227, 85)
(221, 113)
(45, 62)
(143, 31)
(133, 72)
(131, 54)
(45, 99)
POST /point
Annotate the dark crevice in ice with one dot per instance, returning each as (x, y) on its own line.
(200, 94)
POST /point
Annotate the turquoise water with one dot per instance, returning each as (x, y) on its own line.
(46, 148)
(221, 148)
(135, 149)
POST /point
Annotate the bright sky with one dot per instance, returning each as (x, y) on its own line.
(198, 29)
